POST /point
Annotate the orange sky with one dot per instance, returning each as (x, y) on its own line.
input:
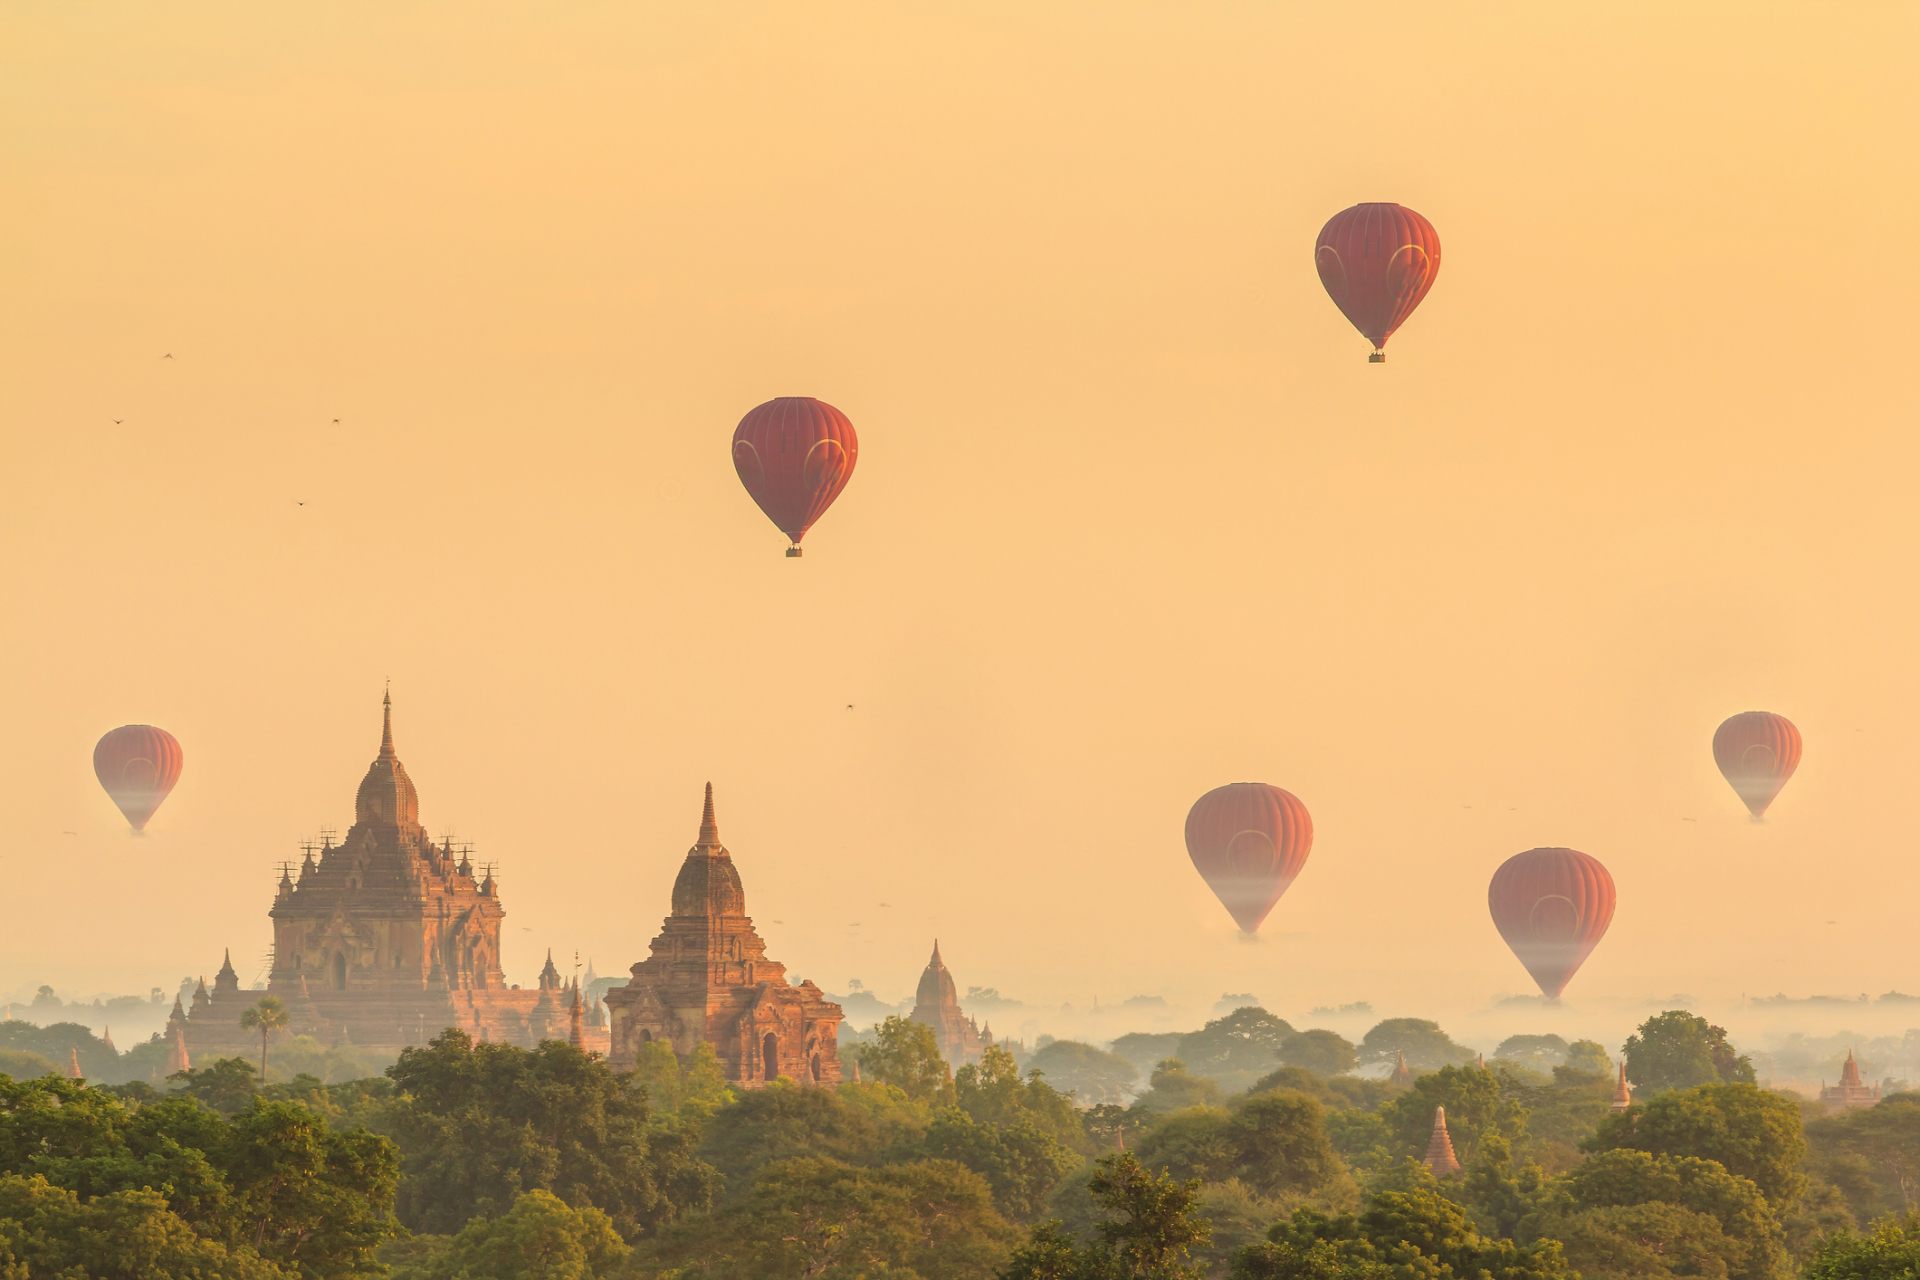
(1133, 516)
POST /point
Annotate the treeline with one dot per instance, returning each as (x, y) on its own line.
(1263, 1158)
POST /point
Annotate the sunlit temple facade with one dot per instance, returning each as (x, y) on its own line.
(383, 941)
(936, 1004)
(707, 980)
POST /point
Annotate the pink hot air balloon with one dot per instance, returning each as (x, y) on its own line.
(138, 765)
(1757, 752)
(1249, 840)
(1552, 906)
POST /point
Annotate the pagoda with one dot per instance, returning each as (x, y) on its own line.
(707, 980)
(1852, 1092)
(1440, 1159)
(383, 941)
(936, 1004)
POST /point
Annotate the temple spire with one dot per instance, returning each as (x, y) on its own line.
(1440, 1158)
(709, 827)
(1622, 1091)
(386, 724)
(73, 1064)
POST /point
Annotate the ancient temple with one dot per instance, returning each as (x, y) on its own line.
(1852, 1092)
(707, 980)
(1402, 1073)
(383, 941)
(1440, 1160)
(936, 1004)
(1622, 1091)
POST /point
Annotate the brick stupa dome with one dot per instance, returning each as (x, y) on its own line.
(386, 797)
(708, 884)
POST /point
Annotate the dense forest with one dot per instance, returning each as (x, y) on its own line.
(1247, 1150)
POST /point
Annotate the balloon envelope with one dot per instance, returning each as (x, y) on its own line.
(795, 455)
(1377, 261)
(1757, 752)
(1249, 840)
(138, 765)
(1552, 906)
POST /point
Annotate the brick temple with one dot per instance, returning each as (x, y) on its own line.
(384, 941)
(708, 980)
(937, 1004)
(1852, 1092)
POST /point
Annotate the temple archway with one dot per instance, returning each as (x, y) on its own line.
(816, 1068)
(770, 1057)
(340, 970)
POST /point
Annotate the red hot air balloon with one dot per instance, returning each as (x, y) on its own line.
(1552, 906)
(138, 765)
(1249, 841)
(1757, 752)
(795, 455)
(1377, 261)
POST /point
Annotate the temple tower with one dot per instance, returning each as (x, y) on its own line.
(936, 1004)
(1440, 1158)
(707, 980)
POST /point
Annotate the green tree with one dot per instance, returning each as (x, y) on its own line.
(1499, 1191)
(1414, 1233)
(540, 1238)
(1147, 1049)
(1021, 1161)
(904, 1054)
(225, 1084)
(24, 1064)
(479, 1124)
(1236, 1050)
(1754, 1244)
(863, 1124)
(1586, 1058)
(1091, 1075)
(276, 1181)
(1890, 1251)
(1540, 1053)
(1872, 1155)
(126, 1235)
(59, 1042)
(1322, 1052)
(269, 1018)
(834, 1221)
(992, 1091)
(1652, 1241)
(316, 1200)
(1427, 1047)
(1753, 1133)
(1172, 1088)
(1478, 1102)
(1148, 1228)
(681, 1091)
(1679, 1050)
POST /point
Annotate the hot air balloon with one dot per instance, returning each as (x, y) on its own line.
(795, 455)
(1249, 841)
(138, 765)
(1377, 261)
(1552, 906)
(1757, 752)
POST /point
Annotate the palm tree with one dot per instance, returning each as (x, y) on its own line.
(266, 1017)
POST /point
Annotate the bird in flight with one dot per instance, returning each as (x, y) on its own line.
(167, 356)
(336, 422)
(75, 833)
(118, 421)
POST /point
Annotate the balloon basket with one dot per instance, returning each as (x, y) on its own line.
(793, 553)
(1378, 357)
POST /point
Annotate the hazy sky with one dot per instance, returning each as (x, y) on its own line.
(1133, 516)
